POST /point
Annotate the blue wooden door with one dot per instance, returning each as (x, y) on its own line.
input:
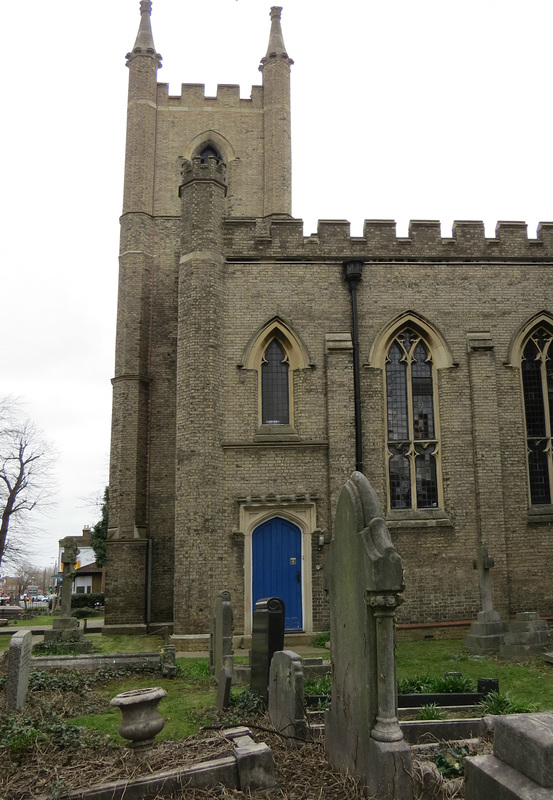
(276, 567)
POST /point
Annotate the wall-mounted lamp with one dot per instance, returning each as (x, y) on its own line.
(320, 540)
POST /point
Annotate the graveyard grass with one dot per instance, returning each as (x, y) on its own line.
(192, 694)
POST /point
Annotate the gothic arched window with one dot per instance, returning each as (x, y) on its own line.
(275, 399)
(412, 437)
(537, 385)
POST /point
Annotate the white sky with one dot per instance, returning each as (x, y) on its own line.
(436, 109)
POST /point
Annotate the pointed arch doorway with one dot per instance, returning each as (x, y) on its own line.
(277, 567)
(302, 516)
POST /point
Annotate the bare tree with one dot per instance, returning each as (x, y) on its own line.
(26, 485)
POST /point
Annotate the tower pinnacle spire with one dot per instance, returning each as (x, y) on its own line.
(144, 44)
(276, 48)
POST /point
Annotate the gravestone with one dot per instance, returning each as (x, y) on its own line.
(521, 766)
(286, 694)
(65, 628)
(168, 661)
(267, 638)
(19, 663)
(221, 652)
(224, 680)
(486, 634)
(528, 636)
(364, 581)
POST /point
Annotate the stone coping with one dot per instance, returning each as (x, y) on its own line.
(250, 767)
(93, 660)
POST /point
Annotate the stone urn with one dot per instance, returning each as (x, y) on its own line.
(141, 720)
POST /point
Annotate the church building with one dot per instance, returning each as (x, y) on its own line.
(256, 368)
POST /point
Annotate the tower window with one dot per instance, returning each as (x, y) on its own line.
(412, 439)
(537, 386)
(275, 400)
(209, 152)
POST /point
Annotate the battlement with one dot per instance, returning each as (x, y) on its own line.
(193, 96)
(281, 237)
(195, 170)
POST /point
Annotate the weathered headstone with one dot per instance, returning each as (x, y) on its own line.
(521, 766)
(267, 638)
(221, 653)
(168, 661)
(364, 580)
(486, 634)
(224, 680)
(65, 628)
(19, 664)
(286, 694)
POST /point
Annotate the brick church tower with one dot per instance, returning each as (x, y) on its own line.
(257, 367)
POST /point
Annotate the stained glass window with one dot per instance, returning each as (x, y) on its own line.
(412, 443)
(275, 401)
(537, 387)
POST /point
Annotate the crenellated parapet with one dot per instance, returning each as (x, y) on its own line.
(196, 170)
(283, 238)
(193, 96)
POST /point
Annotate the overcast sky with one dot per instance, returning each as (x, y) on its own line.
(436, 109)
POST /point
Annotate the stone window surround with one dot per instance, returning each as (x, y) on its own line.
(302, 514)
(297, 358)
(537, 514)
(441, 358)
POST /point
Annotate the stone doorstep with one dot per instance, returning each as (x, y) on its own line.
(489, 777)
(250, 767)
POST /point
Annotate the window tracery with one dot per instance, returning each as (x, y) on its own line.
(412, 441)
(537, 387)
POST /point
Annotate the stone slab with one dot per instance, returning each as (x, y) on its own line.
(19, 665)
(483, 644)
(525, 742)
(489, 778)
(521, 652)
(224, 680)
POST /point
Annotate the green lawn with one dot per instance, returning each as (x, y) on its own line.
(530, 682)
(184, 709)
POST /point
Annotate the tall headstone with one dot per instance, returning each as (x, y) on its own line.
(267, 638)
(364, 580)
(19, 663)
(486, 634)
(65, 628)
(221, 635)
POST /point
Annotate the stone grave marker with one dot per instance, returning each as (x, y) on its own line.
(267, 638)
(521, 766)
(528, 636)
(364, 581)
(19, 664)
(286, 694)
(221, 653)
(224, 680)
(486, 634)
(168, 661)
(65, 628)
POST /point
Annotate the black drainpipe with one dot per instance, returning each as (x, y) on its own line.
(353, 271)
